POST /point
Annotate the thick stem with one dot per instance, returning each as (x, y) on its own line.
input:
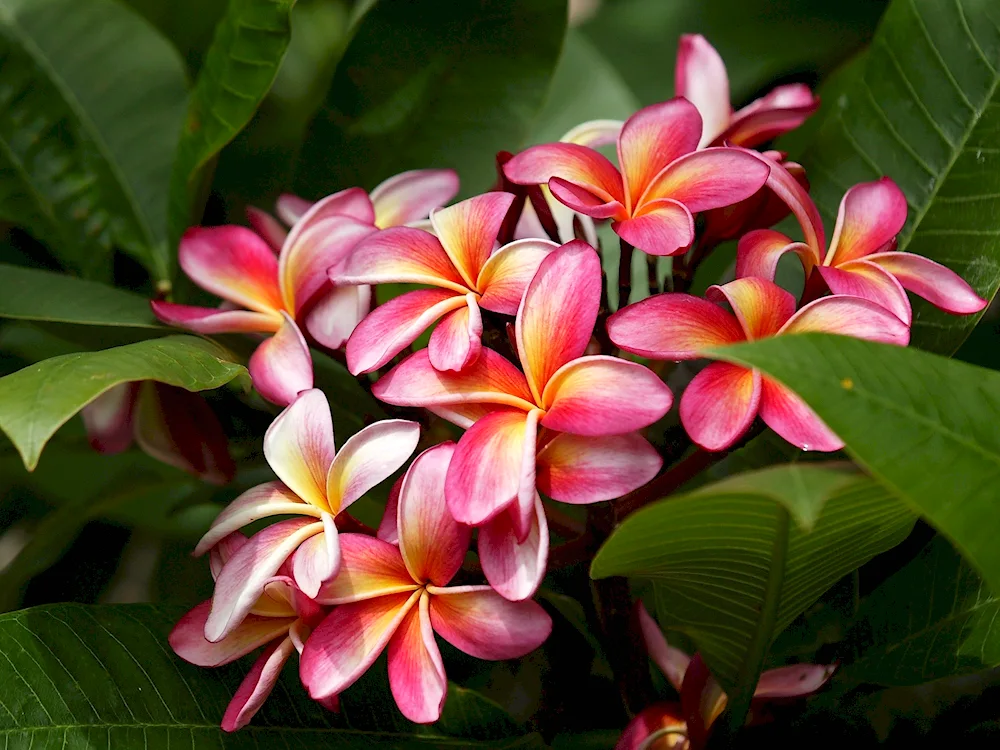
(624, 274)
(652, 274)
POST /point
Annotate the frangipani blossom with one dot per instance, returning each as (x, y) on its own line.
(316, 483)
(861, 260)
(280, 620)
(663, 181)
(459, 261)
(722, 400)
(398, 598)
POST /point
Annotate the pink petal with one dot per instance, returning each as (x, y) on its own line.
(490, 379)
(432, 542)
(222, 552)
(317, 560)
(400, 255)
(795, 195)
(416, 672)
(290, 208)
(480, 622)
(464, 415)
(659, 716)
(391, 327)
(187, 639)
(269, 228)
(792, 419)
(468, 231)
(578, 165)
(108, 419)
(353, 203)
(665, 227)
(558, 312)
(781, 110)
(594, 133)
(700, 77)
(515, 569)
(336, 314)
(672, 661)
(580, 199)
(849, 316)
(871, 215)
(492, 465)
(710, 178)
(257, 685)
(388, 531)
(651, 139)
(859, 278)
(243, 577)
(673, 326)
(213, 320)
(508, 271)
(299, 447)
(761, 306)
(262, 501)
(455, 343)
(937, 284)
(583, 470)
(720, 404)
(759, 251)
(281, 366)
(280, 597)
(601, 395)
(370, 568)
(368, 458)
(793, 681)
(411, 196)
(349, 640)
(233, 263)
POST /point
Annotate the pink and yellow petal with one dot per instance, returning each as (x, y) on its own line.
(580, 199)
(849, 316)
(700, 77)
(936, 283)
(662, 227)
(571, 162)
(262, 501)
(673, 327)
(269, 228)
(457, 339)
(352, 202)
(859, 278)
(762, 307)
(790, 417)
(213, 320)
(412, 196)
(336, 314)
(710, 178)
(368, 458)
(416, 672)
(480, 622)
(514, 568)
(299, 447)
(719, 405)
(370, 568)
(758, 253)
(794, 194)
(188, 641)
(782, 109)
(508, 271)
(317, 560)
(281, 366)
(871, 215)
(400, 255)
(257, 685)
(672, 661)
(594, 133)
(468, 231)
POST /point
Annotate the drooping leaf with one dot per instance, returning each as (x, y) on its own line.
(239, 68)
(922, 424)
(37, 401)
(425, 84)
(90, 113)
(925, 110)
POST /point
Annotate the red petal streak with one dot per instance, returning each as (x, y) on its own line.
(416, 672)
(480, 622)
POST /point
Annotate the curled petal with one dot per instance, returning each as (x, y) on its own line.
(416, 672)
(299, 447)
(214, 320)
(456, 341)
(720, 404)
(580, 199)
(353, 203)
(793, 681)
(582, 470)
(480, 622)
(336, 314)
(290, 208)
(700, 77)
(859, 278)
(281, 367)
(262, 501)
(786, 186)
(233, 263)
(781, 110)
(673, 326)
(871, 215)
(758, 253)
(388, 530)
(269, 228)
(790, 417)
(370, 568)
(761, 306)
(672, 661)
(108, 419)
(849, 316)
(710, 178)
(400, 255)
(369, 457)
(506, 274)
(570, 162)
(187, 639)
(515, 569)
(411, 196)
(468, 231)
(594, 133)
(223, 551)
(317, 560)
(937, 284)
(257, 685)
(663, 227)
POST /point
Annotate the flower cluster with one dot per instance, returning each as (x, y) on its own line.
(524, 358)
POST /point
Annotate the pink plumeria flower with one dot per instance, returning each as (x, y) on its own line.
(861, 260)
(567, 426)
(280, 620)
(459, 262)
(316, 483)
(170, 424)
(398, 598)
(663, 180)
(722, 400)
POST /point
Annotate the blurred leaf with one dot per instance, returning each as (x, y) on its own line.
(923, 425)
(29, 294)
(467, 713)
(933, 619)
(90, 113)
(425, 84)
(925, 110)
(37, 401)
(188, 24)
(239, 68)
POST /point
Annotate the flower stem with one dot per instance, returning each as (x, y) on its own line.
(624, 274)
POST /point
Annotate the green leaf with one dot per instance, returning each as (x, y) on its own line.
(30, 294)
(925, 110)
(922, 424)
(37, 401)
(104, 677)
(426, 84)
(90, 113)
(715, 559)
(239, 68)
(932, 619)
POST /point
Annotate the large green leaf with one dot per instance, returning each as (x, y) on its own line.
(30, 294)
(239, 68)
(924, 425)
(37, 401)
(934, 618)
(90, 112)
(730, 571)
(925, 110)
(104, 677)
(429, 84)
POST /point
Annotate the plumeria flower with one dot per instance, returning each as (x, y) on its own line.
(567, 426)
(398, 598)
(315, 484)
(280, 620)
(685, 726)
(862, 259)
(460, 265)
(663, 180)
(170, 424)
(722, 400)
